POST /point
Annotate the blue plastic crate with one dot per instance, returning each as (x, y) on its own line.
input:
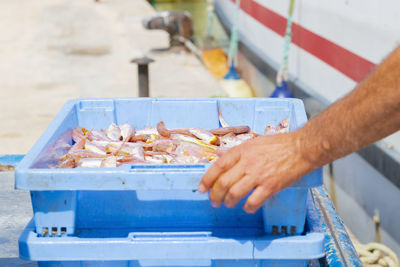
(65, 201)
(161, 247)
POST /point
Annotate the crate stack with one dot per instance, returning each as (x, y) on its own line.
(150, 215)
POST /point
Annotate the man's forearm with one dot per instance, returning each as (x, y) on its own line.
(370, 112)
(268, 164)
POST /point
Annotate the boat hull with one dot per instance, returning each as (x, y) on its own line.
(366, 183)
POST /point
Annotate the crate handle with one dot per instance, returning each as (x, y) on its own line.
(168, 235)
(170, 167)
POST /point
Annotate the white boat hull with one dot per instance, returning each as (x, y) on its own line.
(335, 45)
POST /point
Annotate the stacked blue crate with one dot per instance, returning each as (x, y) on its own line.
(150, 215)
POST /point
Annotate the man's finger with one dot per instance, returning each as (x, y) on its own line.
(238, 191)
(224, 183)
(222, 164)
(256, 199)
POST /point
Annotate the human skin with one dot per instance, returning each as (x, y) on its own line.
(269, 164)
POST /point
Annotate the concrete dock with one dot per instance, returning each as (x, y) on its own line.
(16, 211)
(55, 50)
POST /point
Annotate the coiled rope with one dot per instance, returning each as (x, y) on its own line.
(377, 255)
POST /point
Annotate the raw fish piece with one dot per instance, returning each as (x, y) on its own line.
(168, 158)
(114, 132)
(89, 163)
(165, 145)
(130, 161)
(204, 135)
(226, 130)
(67, 163)
(152, 153)
(155, 159)
(83, 153)
(78, 133)
(153, 137)
(162, 130)
(129, 158)
(221, 119)
(127, 131)
(188, 149)
(231, 140)
(181, 131)
(270, 129)
(91, 146)
(97, 136)
(133, 149)
(122, 148)
(77, 146)
(283, 126)
(245, 137)
(139, 138)
(185, 138)
(110, 161)
(112, 147)
(147, 130)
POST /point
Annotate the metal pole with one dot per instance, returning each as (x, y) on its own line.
(143, 75)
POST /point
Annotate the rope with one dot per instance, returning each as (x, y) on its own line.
(210, 18)
(283, 73)
(233, 45)
(376, 254)
(191, 46)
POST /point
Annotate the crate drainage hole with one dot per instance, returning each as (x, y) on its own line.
(283, 230)
(275, 230)
(54, 230)
(292, 230)
(45, 231)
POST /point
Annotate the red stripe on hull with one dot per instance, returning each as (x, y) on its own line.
(339, 58)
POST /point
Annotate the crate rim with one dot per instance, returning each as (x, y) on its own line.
(24, 172)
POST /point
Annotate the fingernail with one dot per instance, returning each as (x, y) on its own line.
(229, 205)
(202, 188)
(249, 210)
(214, 204)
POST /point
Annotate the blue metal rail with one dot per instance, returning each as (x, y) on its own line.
(322, 217)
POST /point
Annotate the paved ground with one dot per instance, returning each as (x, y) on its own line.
(55, 50)
(16, 211)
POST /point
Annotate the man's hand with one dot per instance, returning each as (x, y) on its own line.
(266, 164)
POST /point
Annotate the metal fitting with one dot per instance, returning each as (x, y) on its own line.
(143, 75)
